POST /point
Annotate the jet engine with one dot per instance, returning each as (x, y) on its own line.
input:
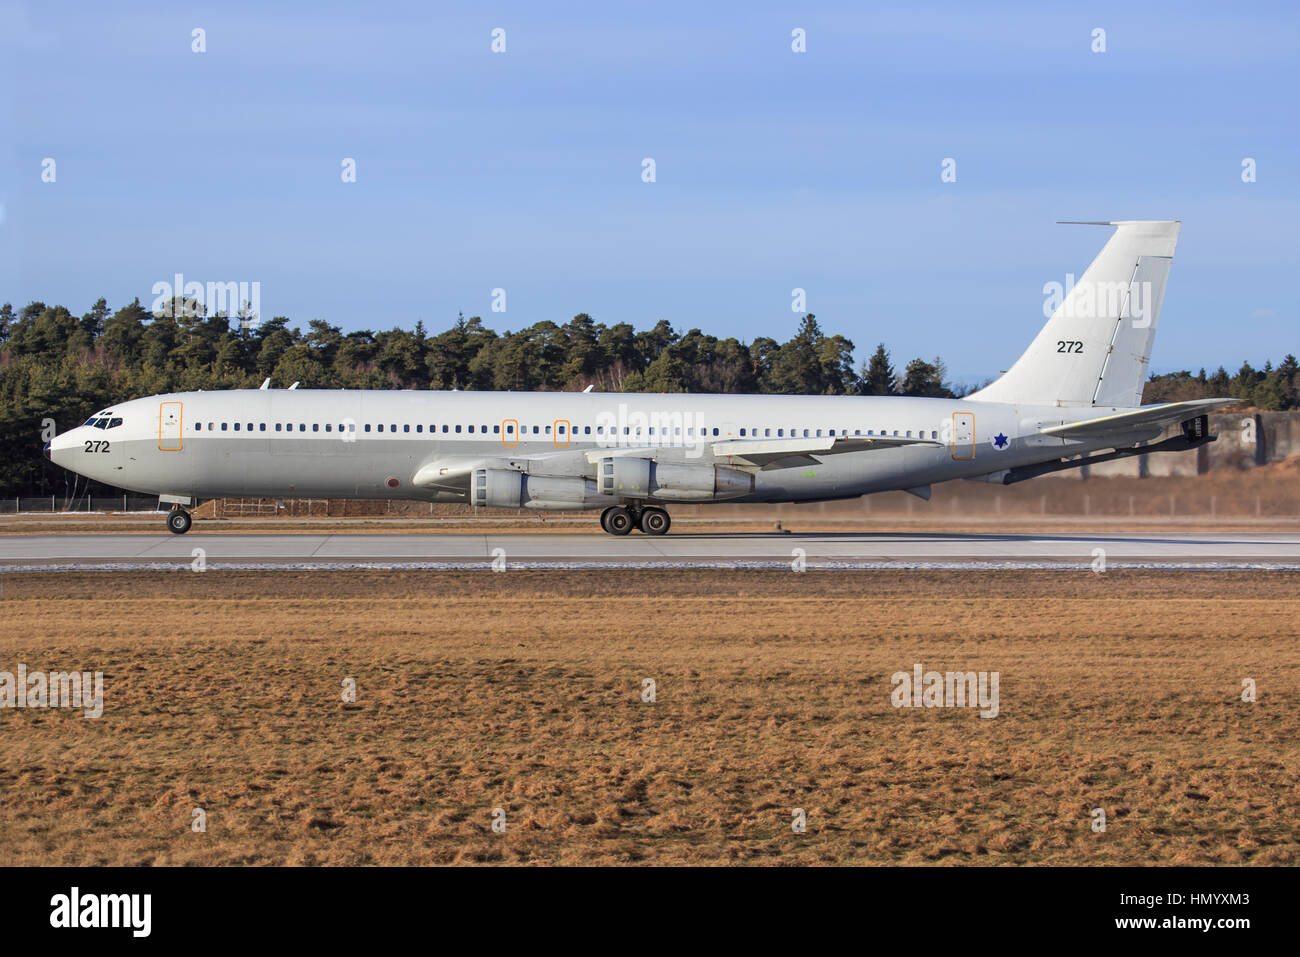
(505, 488)
(628, 477)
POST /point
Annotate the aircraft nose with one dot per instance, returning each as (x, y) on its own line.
(57, 448)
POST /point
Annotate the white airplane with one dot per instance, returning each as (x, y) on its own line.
(1076, 391)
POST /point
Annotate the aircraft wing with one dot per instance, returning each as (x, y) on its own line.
(1136, 418)
(787, 453)
(453, 474)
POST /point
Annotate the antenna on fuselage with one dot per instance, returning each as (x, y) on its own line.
(266, 383)
(294, 386)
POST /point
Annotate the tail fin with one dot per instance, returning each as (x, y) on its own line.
(1096, 347)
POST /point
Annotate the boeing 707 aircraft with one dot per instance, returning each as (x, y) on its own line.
(1074, 397)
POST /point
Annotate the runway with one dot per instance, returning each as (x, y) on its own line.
(561, 550)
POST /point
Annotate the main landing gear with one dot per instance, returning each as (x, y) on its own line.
(621, 519)
(178, 521)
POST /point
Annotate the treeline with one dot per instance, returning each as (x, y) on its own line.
(1269, 388)
(58, 366)
(142, 354)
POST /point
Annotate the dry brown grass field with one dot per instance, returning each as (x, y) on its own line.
(522, 691)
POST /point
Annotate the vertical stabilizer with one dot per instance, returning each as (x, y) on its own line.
(1096, 347)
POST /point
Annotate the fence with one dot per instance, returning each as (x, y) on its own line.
(81, 503)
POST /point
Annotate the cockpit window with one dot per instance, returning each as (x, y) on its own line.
(101, 423)
(91, 422)
(114, 423)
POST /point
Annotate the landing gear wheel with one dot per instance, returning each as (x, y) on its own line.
(655, 521)
(604, 519)
(618, 521)
(179, 521)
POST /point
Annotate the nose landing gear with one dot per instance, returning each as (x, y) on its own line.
(178, 521)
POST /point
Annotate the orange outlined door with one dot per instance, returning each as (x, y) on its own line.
(509, 432)
(963, 435)
(169, 426)
(561, 430)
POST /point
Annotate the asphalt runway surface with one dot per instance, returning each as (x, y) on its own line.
(568, 550)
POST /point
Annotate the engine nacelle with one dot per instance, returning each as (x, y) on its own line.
(624, 476)
(505, 488)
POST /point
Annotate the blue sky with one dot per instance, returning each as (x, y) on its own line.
(775, 170)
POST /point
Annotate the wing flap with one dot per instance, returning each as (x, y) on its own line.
(765, 452)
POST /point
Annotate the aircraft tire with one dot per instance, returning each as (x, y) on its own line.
(179, 521)
(618, 521)
(655, 521)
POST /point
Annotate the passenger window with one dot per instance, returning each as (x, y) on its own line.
(406, 428)
(444, 428)
(223, 426)
(471, 428)
(496, 430)
(393, 427)
(277, 426)
(315, 426)
(419, 428)
(198, 426)
(302, 426)
(535, 430)
(236, 426)
(742, 433)
(458, 428)
(329, 427)
(586, 430)
(548, 430)
(715, 431)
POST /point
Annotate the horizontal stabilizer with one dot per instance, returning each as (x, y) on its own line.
(1149, 415)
